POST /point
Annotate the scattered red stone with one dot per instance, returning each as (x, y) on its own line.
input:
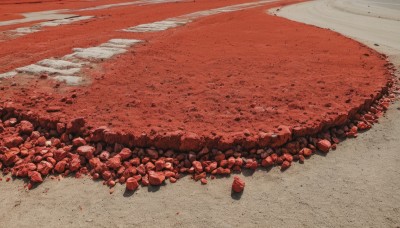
(131, 184)
(156, 178)
(50, 150)
(324, 145)
(238, 185)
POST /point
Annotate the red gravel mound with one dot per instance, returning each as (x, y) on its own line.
(243, 78)
(238, 90)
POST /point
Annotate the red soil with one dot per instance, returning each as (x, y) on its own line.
(35, 47)
(225, 78)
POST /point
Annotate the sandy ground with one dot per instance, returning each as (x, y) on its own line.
(358, 185)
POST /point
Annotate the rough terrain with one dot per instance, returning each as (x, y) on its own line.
(356, 185)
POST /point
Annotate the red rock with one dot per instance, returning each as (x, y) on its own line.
(301, 158)
(169, 174)
(219, 157)
(306, 152)
(135, 161)
(121, 170)
(60, 166)
(150, 166)
(35, 177)
(131, 184)
(145, 160)
(145, 180)
(125, 154)
(231, 162)
(75, 164)
(41, 141)
(288, 157)
(172, 180)
(226, 171)
(114, 162)
(104, 156)
(75, 125)
(285, 165)
(223, 163)
(203, 181)
(156, 178)
(267, 161)
(138, 178)
(141, 169)
(106, 175)
(197, 166)
(152, 153)
(44, 167)
(324, 145)
(78, 142)
(111, 183)
(13, 141)
(130, 172)
(51, 160)
(238, 185)
(60, 154)
(168, 166)
(237, 168)
(86, 151)
(199, 176)
(213, 166)
(251, 164)
(239, 162)
(97, 165)
(26, 127)
(160, 165)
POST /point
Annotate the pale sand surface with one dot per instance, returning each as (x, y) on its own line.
(358, 185)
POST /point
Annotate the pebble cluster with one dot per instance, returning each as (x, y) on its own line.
(29, 150)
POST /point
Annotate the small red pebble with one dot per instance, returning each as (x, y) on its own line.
(156, 178)
(324, 145)
(203, 181)
(267, 161)
(301, 159)
(8, 179)
(96, 176)
(131, 184)
(306, 152)
(36, 177)
(160, 164)
(172, 179)
(285, 165)
(111, 183)
(288, 157)
(238, 184)
(197, 166)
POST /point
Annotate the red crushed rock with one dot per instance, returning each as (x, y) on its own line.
(132, 184)
(216, 124)
(324, 145)
(238, 184)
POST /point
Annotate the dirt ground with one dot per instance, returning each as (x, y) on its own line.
(358, 185)
(355, 186)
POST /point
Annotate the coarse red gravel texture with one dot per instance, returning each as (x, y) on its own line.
(238, 90)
